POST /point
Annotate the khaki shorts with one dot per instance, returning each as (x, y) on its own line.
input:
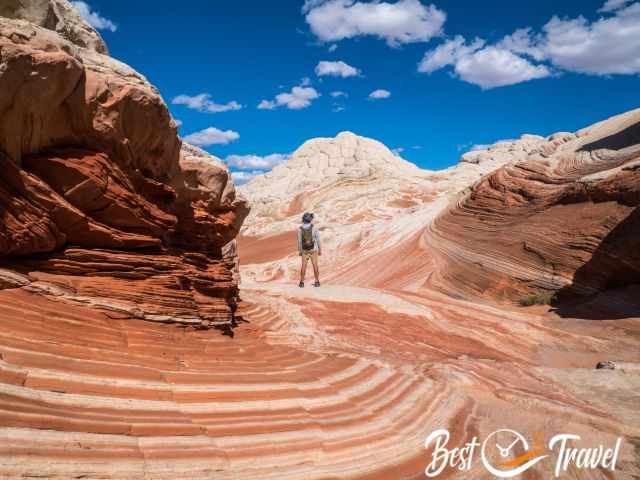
(308, 254)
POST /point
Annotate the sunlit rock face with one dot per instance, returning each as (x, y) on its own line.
(102, 202)
(116, 239)
(534, 214)
(56, 15)
(564, 218)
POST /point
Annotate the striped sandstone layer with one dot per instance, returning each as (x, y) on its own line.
(554, 214)
(327, 383)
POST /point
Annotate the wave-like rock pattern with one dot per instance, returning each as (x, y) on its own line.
(565, 218)
(316, 387)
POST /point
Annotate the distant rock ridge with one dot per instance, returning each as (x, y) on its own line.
(513, 151)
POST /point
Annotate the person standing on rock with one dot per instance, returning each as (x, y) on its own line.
(309, 248)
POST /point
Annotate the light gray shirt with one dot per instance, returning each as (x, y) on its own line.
(316, 237)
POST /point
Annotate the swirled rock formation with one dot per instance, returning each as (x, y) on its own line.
(565, 218)
(519, 217)
(101, 202)
(367, 201)
(108, 219)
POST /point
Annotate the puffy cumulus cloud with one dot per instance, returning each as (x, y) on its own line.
(94, 18)
(298, 98)
(212, 136)
(336, 69)
(256, 162)
(520, 42)
(379, 94)
(448, 53)
(494, 67)
(266, 105)
(405, 21)
(606, 46)
(487, 67)
(203, 103)
(613, 5)
(603, 47)
(240, 178)
(246, 167)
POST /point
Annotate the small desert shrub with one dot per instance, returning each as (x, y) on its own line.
(537, 298)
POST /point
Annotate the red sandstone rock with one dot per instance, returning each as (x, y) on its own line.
(564, 220)
(94, 181)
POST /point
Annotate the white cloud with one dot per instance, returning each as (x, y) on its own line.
(448, 53)
(405, 21)
(487, 67)
(397, 151)
(606, 46)
(212, 136)
(94, 18)
(266, 105)
(305, 82)
(336, 69)
(177, 122)
(338, 108)
(479, 146)
(613, 5)
(256, 162)
(494, 67)
(379, 94)
(338, 93)
(203, 103)
(299, 97)
(522, 42)
(240, 178)
(332, 48)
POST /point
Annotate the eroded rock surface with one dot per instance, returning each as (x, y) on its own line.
(108, 218)
(56, 15)
(537, 214)
(101, 201)
(565, 218)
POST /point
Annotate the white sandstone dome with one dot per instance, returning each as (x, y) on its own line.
(322, 160)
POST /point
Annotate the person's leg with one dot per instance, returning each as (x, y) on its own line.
(316, 269)
(303, 269)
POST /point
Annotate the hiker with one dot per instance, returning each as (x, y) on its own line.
(309, 248)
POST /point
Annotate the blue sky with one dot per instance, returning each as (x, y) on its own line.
(448, 75)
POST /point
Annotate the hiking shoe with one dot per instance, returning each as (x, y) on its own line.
(317, 284)
(301, 284)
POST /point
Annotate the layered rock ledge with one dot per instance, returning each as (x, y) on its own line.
(101, 201)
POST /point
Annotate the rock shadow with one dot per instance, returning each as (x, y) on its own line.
(608, 285)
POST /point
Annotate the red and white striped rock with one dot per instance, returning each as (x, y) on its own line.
(103, 204)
